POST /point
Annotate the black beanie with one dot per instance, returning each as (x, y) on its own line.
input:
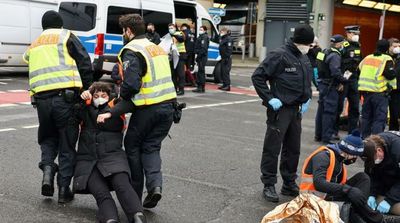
(303, 34)
(382, 46)
(51, 19)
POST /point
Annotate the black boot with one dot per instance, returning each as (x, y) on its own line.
(198, 90)
(139, 218)
(48, 181)
(181, 91)
(290, 189)
(152, 198)
(270, 194)
(226, 88)
(65, 195)
(391, 219)
(111, 221)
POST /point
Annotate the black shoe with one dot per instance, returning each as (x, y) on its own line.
(180, 92)
(335, 136)
(290, 189)
(152, 198)
(391, 219)
(227, 88)
(220, 87)
(270, 194)
(65, 195)
(198, 90)
(48, 181)
(111, 221)
(139, 218)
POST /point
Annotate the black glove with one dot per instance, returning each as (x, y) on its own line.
(356, 196)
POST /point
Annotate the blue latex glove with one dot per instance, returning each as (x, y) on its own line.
(315, 76)
(304, 107)
(383, 207)
(372, 202)
(275, 103)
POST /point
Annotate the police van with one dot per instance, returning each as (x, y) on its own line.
(20, 24)
(95, 23)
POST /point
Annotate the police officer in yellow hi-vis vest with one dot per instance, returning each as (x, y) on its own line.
(324, 174)
(59, 67)
(377, 79)
(149, 94)
(178, 75)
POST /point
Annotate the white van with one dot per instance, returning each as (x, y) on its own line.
(20, 24)
(95, 22)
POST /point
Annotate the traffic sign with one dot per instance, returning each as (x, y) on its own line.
(216, 11)
(216, 19)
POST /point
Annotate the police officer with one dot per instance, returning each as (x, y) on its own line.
(329, 78)
(59, 67)
(289, 72)
(351, 57)
(312, 56)
(377, 78)
(225, 50)
(152, 35)
(382, 154)
(394, 102)
(189, 45)
(178, 76)
(145, 68)
(325, 175)
(201, 50)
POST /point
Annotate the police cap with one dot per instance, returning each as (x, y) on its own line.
(352, 29)
(337, 38)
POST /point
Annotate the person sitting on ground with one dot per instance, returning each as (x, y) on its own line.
(102, 164)
(324, 174)
(382, 164)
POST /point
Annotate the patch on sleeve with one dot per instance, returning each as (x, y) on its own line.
(125, 65)
(229, 44)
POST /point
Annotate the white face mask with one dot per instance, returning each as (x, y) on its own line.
(172, 31)
(378, 161)
(396, 50)
(355, 38)
(99, 101)
(303, 49)
(201, 32)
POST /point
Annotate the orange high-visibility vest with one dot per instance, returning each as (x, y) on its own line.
(307, 184)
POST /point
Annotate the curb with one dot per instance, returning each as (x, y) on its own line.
(244, 65)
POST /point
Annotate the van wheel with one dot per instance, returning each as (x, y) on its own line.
(217, 73)
(97, 75)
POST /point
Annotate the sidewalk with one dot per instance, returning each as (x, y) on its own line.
(246, 63)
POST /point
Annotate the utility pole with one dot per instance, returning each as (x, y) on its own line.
(382, 22)
(316, 16)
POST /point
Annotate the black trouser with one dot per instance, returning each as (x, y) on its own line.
(350, 91)
(394, 107)
(148, 127)
(326, 112)
(362, 182)
(178, 76)
(57, 135)
(201, 73)
(374, 113)
(283, 131)
(127, 197)
(190, 61)
(226, 65)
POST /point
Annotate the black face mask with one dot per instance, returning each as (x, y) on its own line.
(150, 30)
(349, 161)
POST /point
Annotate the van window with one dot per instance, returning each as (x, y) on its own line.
(78, 16)
(159, 19)
(212, 33)
(113, 18)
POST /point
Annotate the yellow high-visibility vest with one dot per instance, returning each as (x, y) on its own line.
(157, 85)
(371, 75)
(180, 46)
(50, 65)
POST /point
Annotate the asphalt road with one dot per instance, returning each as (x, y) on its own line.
(210, 163)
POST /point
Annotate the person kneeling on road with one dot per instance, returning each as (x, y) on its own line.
(382, 152)
(324, 174)
(102, 164)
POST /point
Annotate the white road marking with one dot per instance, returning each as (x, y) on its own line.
(7, 130)
(6, 79)
(17, 91)
(221, 104)
(25, 103)
(2, 92)
(7, 105)
(3, 83)
(30, 126)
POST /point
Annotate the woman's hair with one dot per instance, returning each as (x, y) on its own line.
(100, 86)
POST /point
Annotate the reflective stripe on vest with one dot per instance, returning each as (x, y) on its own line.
(50, 65)
(371, 78)
(157, 85)
(307, 183)
(180, 46)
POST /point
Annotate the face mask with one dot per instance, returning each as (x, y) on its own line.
(99, 101)
(201, 32)
(378, 161)
(172, 31)
(355, 38)
(349, 161)
(149, 30)
(303, 49)
(396, 50)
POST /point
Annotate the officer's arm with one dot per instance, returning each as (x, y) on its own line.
(179, 36)
(82, 59)
(264, 72)
(320, 164)
(25, 57)
(334, 62)
(389, 72)
(157, 39)
(133, 70)
(122, 107)
(229, 48)
(204, 47)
